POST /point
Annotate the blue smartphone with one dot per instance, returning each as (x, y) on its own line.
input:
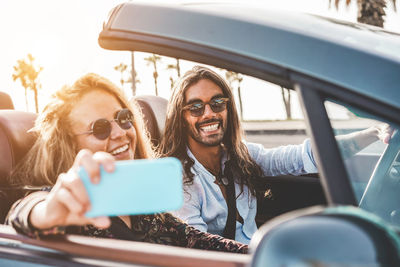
(136, 187)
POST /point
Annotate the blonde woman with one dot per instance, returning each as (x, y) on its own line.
(89, 124)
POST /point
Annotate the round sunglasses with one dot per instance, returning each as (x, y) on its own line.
(101, 128)
(217, 105)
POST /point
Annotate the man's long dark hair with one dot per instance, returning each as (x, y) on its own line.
(175, 139)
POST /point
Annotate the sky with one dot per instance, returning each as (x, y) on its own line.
(62, 36)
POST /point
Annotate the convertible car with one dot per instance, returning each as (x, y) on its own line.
(346, 215)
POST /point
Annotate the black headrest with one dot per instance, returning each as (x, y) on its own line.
(5, 101)
(154, 109)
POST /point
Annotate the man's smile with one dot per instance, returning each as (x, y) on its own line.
(209, 126)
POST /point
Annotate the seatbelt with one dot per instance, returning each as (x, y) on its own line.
(229, 182)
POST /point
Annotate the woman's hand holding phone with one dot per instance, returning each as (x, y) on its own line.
(68, 201)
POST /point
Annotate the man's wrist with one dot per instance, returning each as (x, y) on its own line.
(372, 134)
(373, 131)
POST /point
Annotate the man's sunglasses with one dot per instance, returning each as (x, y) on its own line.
(101, 128)
(217, 105)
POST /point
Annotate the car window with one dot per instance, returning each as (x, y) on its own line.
(272, 114)
(374, 171)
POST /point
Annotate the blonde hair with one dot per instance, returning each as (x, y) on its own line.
(54, 150)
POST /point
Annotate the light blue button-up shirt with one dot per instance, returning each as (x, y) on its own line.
(205, 207)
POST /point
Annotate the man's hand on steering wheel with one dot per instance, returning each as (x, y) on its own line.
(385, 132)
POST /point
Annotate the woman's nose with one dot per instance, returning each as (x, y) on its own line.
(116, 130)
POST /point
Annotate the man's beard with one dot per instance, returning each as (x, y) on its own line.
(211, 140)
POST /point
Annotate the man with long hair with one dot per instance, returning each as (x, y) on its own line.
(203, 131)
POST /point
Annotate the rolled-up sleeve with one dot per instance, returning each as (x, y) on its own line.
(290, 159)
(308, 158)
(18, 216)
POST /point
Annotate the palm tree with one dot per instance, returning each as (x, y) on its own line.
(123, 68)
(129, 80)
(233, 77)
(369, 11)
(27, 73)
(153, 60)
(176, 67)
(133, 78)
(286, 97)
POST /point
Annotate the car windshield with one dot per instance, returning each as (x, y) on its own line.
(374, 172)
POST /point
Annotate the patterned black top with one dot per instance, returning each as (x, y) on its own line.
(160, 229)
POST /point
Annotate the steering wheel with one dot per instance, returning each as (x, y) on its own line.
(376, 197)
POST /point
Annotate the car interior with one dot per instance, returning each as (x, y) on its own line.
(16, 140)
(276, 196)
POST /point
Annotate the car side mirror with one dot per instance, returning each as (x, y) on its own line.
(344, 236)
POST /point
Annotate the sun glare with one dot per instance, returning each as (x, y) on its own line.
(62, 37)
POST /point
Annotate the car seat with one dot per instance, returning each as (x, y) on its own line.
(5, 101)
(154, 109)
(15, 141)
